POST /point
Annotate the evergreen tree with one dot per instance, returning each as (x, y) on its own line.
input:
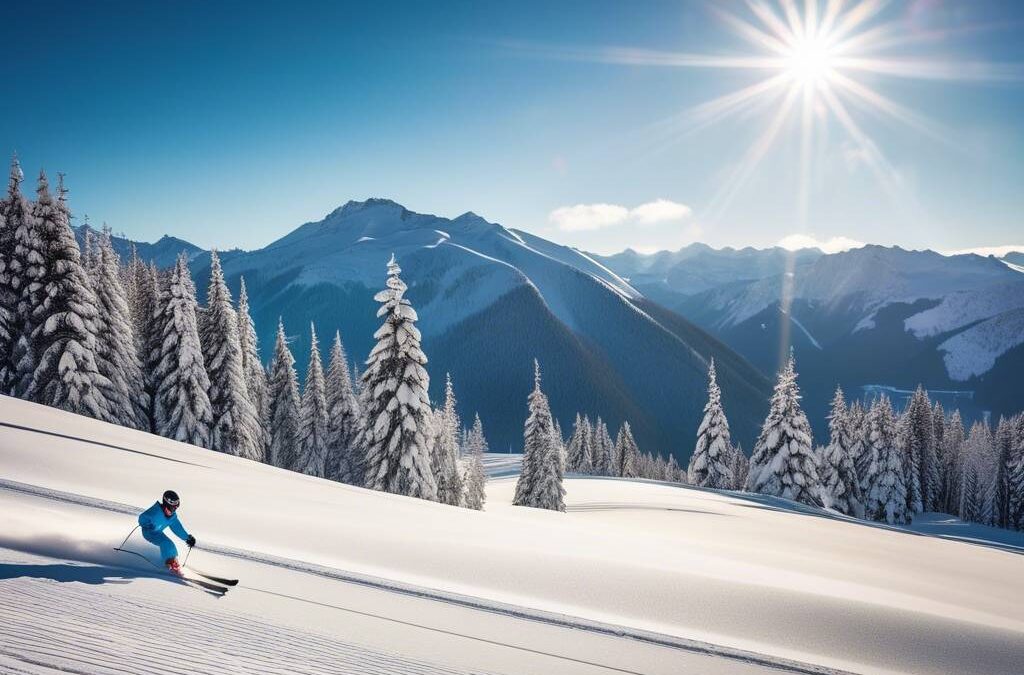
(602, 449)
(312, 459)
(15, 223)
(116, 356)
(283, 405)
(235, 427)
(860, 449)
(252, 367)
(1004, 465)
(344, 462)
(953, 441)
(941, 474)
(783, 464)
(1017, 476)
(710, 461)
(575, 458)
(672, 471)
(56, 353)
(740, 467)
(840, 485)
(445, 457)
(887, 495)
(627, 452)
(540, 480)
(919, 453)
(142, 292)
(397, 410)
(974, 475)
(183, 409)
(474, 477)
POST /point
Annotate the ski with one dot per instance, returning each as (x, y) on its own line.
(201, 583)
(219, 580)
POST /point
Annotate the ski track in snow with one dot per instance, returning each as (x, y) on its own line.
(52, 626)
(514, 611)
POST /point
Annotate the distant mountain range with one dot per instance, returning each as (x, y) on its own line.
(628, 336)
(490, 300)
(870, 318)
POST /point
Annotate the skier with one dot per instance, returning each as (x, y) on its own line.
(153, 522)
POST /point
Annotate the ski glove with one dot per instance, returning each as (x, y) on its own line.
(191, 541)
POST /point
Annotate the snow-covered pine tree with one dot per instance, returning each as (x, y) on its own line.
(143, 292)
(575, 448)
(953, 439)
(540, 479)
(397, 409)
(15, 219)
(887, 495)
(344, 461)
(839, 482)
(740, 466)
(1004, 458)
(252, 367)
(783, 464)
(860, 449)
(445, 458)
(941, 472)
(627, 452)
(979, 462)
(919, 452)
(116, 356)
(709, 463)
(56, 353)
(1017, 475)
(90, 253)
(312, 459)
(235, 425)
(975, 467)
(602, 447)
(475, 478)
(672, 471)
(183, 409)
(283, 405)
(582, 459)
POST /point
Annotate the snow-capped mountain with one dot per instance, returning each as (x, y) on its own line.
(490, 300)
(868, 316)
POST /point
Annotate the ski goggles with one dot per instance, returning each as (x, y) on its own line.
(172, 505)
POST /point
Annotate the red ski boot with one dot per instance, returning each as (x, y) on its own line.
(173, 566)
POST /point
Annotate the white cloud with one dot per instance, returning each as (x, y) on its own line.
(588, 216)
(660, 211)
(583, 217)
(795, 242)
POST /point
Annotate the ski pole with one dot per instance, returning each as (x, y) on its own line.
(185, 564)
(128, 537)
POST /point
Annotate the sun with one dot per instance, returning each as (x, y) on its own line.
(810, 61)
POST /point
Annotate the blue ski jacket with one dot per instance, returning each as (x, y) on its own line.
(154, 520)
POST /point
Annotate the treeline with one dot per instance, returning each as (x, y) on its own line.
(879, 464)
(128, 344)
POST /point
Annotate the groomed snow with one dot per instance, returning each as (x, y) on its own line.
(637, 577)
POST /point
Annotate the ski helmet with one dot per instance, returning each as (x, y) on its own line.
(171, 500)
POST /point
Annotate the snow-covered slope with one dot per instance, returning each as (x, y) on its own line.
(637, 577)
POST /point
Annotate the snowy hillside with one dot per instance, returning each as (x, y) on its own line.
(637, 577)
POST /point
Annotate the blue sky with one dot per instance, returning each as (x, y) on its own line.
(229, 124)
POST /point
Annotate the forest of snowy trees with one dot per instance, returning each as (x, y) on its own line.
(129, 344)
(126, 343)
